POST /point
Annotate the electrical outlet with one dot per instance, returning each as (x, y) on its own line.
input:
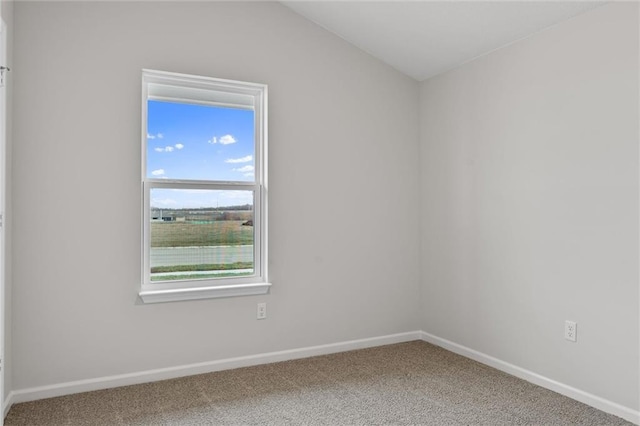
(262, 311)
(570, 330)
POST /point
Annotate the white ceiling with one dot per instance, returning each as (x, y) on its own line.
(425, 38)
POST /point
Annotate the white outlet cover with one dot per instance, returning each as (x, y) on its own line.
(262, 311)
(570, 330)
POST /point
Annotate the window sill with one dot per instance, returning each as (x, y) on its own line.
(195, 293)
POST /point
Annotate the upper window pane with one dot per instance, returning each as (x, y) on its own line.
(188, 141)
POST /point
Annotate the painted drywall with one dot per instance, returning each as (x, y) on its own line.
(6, 11)
(343, 176)
(529, 160)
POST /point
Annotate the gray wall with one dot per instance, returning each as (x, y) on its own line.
(344, 187)
(530, 201)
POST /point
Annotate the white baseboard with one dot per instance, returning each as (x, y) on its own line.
(68, 388)
(6, 405)
(573, 393)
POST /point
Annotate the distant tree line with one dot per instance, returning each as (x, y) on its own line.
(202, 215)
(244, 207)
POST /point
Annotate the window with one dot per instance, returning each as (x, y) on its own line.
(204, 187)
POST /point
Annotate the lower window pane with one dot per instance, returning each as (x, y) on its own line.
(200, 233)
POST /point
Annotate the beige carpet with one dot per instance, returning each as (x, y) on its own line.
(405, 384)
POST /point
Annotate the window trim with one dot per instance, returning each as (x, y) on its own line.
(167, 86)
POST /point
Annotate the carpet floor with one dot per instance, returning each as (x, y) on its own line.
(412, 383)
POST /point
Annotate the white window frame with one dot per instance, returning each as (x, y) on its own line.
(167, 86)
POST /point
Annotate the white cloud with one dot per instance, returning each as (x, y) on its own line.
(249, 174)
(223, 140)
(160, 135)
(158, 172)
(157, 135)
(239, 160)
(169, 148)
(244, 169)
(227, 139)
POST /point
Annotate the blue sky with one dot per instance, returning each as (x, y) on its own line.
(197, 142)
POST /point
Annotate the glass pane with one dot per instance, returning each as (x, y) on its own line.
(199, 233)
(199, 142)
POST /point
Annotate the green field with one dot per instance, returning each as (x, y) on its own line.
(187, 234)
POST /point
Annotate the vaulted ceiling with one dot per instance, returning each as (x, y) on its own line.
(425, 38)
